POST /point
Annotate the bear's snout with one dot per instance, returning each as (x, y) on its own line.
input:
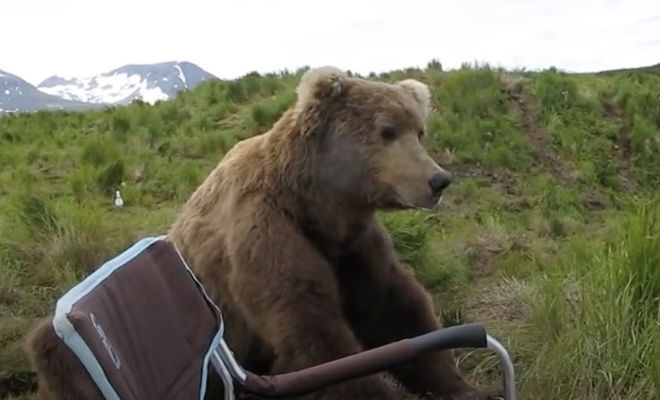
(439, 182)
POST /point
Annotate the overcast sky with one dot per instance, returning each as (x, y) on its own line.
(41, 38)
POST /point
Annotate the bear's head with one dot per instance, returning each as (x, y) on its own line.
(368, 139)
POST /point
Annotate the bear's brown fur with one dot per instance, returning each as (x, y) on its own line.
(283, 234)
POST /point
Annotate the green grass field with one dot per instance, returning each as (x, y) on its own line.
(550, 234)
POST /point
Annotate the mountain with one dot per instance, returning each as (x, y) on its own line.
(18, 95)
(148, 82)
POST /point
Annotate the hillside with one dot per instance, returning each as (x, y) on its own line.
(549, 235)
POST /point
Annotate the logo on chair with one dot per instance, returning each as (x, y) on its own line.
(105, 340)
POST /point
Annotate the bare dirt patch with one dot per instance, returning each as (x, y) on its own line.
(501, 301)
(484, 250)
(498, 175)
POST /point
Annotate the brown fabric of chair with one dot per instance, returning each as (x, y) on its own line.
(142, 325)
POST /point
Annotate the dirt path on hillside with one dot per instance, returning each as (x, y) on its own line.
(543, 151)
(622, 153)
(542, 148)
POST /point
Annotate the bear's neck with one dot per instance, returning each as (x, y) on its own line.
(330, 223)
(328, 219)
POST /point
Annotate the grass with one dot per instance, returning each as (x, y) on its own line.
(549, 234)
(596, 319)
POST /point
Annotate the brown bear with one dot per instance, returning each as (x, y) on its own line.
(284, 236)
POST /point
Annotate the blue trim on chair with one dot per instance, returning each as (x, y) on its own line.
(215, 342)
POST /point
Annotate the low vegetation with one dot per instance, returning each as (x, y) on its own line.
(550, 234)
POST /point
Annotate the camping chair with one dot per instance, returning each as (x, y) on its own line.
(144, 328)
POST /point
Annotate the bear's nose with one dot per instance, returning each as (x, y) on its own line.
(439, 182)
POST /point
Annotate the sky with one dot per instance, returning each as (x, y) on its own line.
(41, 38)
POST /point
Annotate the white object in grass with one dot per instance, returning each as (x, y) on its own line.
(119, 202)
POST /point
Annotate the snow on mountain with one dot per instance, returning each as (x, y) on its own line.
(17, 95)
(148, 82)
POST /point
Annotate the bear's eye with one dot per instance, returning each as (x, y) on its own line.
(420, 134)
(388, 133)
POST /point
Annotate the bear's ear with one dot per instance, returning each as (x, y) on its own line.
(420, 93)
(321, 83)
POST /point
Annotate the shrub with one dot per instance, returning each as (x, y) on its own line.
(99, 151)
(110, 177)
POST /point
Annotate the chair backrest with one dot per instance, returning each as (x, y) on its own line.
(142, 325)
